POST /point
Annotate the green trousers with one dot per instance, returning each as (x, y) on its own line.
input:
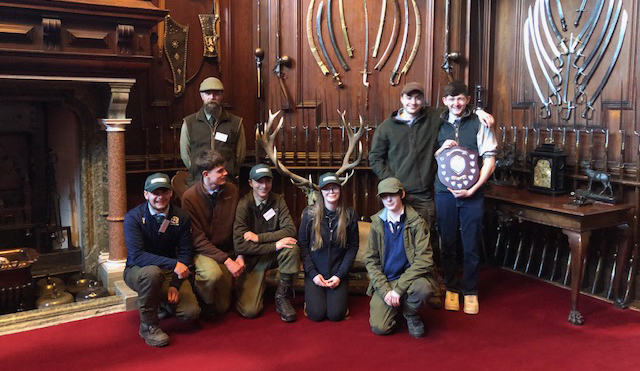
(382, 317)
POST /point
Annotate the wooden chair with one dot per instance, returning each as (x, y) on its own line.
(179, 184)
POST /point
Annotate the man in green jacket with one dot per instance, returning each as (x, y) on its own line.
(263, 233)
(404, 144)
(212, 127)
(399, 261)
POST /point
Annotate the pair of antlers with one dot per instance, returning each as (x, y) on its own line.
(267, 141)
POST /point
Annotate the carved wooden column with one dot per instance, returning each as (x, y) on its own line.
(116, 124)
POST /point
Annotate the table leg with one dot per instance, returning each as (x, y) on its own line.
(578, 241)
(623, 257)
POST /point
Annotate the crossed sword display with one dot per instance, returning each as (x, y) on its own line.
(566, 53)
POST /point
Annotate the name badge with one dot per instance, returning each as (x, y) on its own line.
(164, 226)
(269, 214)
(221, 136)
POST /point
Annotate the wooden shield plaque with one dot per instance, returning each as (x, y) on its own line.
(458, 167)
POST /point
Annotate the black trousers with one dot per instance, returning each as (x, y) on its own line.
(325, 303)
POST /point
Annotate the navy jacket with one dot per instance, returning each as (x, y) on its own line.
(147, 246)
(331, 259)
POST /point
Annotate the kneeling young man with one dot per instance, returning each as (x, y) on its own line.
(399, 259)
(462, 209)
(211, 204)
(158, 240)
(263, 233)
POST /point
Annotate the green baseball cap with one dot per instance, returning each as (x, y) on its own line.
(389, 185)
(157, 180)
(260, 171)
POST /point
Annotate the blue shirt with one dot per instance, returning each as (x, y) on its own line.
(395, 258)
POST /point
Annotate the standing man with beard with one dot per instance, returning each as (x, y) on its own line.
(212, 127)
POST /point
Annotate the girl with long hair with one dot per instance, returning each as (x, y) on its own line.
(328, 241)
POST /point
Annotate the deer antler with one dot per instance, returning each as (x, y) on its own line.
(353, 139)
(267, 141)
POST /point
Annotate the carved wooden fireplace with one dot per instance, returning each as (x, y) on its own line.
(66, 71)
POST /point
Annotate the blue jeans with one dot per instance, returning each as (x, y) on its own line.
(464, 214)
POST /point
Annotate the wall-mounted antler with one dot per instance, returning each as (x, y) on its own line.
(267, 141)
(353, 139)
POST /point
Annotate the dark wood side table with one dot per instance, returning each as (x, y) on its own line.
(575, 222)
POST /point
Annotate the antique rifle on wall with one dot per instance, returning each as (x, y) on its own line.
(365, 73)
(383, 13)
(334, 72)
(392, 41)
(448, 56)
(332, 38)
(395, 77)
(281, 61)
(259, 54)
(344, 31)
(312, 43)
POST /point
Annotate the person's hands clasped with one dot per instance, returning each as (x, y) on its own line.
(320, 281)
(236, 267)
(286, 243)
(173, 296)
(461, 193)
(333, 282)
(181, 270)
(392, 299)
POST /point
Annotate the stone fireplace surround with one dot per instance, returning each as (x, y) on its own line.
(83, 55)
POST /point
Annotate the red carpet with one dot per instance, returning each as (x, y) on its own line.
(522, 325)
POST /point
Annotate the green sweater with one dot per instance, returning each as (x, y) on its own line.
(407, 152)
(250, 218)
(416, 246)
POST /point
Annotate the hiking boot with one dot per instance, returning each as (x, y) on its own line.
(452, 301)
(471, 305)
(414, 325)
(283, 303)
(153, 335)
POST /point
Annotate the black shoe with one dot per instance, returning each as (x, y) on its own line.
(153, 335)
(415, 325)
(164, 312)
(435, 302)
(283, 304)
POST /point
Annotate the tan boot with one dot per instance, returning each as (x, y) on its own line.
(452, 301)
(471, 305)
